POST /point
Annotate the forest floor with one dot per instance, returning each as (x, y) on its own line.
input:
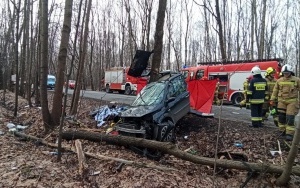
(29, 164)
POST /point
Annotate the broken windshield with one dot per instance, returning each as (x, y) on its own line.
(152, 94)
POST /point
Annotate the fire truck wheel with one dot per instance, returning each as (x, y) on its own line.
(237, 98)
(127, 90)
(107, 90)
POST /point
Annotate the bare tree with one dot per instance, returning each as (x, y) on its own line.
(74, 47)
(81, 60)
(24, 50)
(158, 45)
(62, 58)
(220, 32)
(261, 44)
(17, 8)
(44, 66)
(187, 34)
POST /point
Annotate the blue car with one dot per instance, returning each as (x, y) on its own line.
(51, 81)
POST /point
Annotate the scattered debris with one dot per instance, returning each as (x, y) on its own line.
(274, 153)
(238, 144)
(105, 113)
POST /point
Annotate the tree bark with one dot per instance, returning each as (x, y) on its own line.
(220, 32)
(262, 32)
(24, 51)
(44, 66)
(17, 7)
(81, 60)
(171, 149)
(74, 47)
(62, 58)
(158, 45)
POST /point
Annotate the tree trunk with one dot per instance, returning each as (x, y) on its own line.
(186, 37)
(44, 66)
(62, 58)
(81, 60)
(158, 37)
(17, 58)
(262, 32)
(30, 53)
(149, 12)
(171, 149)
(24, 51)
(75, 45)
(253, 26)
(91, 61)
(220, 32)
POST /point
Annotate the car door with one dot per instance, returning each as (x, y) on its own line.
(178, 99)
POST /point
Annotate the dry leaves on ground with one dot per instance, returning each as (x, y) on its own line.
(29, 164)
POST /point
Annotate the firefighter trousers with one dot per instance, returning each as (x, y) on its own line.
(265, 110)
(286, 116)
(216, 98)
(256, 114)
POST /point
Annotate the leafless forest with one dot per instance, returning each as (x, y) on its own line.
(80, 39)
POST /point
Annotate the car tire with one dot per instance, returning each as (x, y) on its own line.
(162, 130)
(127, 90)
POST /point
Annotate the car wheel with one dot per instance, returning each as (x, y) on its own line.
(127, 90)
(164, 134)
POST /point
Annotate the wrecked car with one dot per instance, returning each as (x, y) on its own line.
(156, 109)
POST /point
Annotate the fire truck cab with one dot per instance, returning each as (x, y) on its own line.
(117, 79)
(230, 74)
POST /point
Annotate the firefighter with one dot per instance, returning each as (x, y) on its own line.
(271, 80)
(245, 102)
(256, 95)
(216, 94)
(286, 93)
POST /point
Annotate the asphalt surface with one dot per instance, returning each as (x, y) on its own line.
(225, 111)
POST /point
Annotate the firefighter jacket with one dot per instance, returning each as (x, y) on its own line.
(270, 83)
(246, 86)
(286, 89)
(257, 89)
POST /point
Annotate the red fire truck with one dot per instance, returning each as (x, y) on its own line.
(117, 79)
(231, 75)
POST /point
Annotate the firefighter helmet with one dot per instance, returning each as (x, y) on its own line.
(255, 70)
(287, 69)
(270, 71)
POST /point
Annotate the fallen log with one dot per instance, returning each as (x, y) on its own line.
(171, 149)
(92, 155)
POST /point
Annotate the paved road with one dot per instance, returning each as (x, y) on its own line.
(225, 111)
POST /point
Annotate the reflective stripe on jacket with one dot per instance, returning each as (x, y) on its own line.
(286, 89)
(257, 88)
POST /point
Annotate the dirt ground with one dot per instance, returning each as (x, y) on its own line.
(26, 163)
